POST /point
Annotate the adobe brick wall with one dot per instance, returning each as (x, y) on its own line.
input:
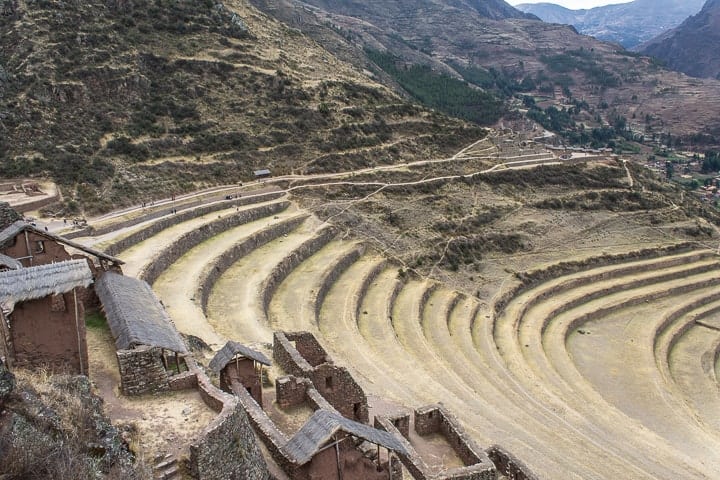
(177, 249)
(188, 213)
(46, 333)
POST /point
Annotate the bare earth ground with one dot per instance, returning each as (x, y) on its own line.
(162, 423)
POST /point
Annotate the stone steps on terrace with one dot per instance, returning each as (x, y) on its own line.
(530, 363)
(234, 306)
(177, 285)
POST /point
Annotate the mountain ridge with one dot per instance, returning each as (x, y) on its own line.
(629, 24)
(694, 46)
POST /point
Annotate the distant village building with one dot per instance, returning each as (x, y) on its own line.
(262, 173)
(150, 351)
(43, 316)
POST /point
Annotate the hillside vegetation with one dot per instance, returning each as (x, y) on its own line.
(125, 100)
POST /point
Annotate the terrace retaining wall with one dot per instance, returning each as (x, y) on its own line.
(184, 215)
(191, 239)
(290, 263)
(212, 272)
(329, 280)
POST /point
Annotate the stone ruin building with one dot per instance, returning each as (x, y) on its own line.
(326, 448)
(301, 355)
(150, 351)
(237, 363)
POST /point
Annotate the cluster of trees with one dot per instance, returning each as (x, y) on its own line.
(440, 91)
(711, 163)
(581, 60)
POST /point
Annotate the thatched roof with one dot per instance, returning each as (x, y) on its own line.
(32, 283)
(10, 232)
(232, 349)
(321, 427)
(9, 262)
(135, 315)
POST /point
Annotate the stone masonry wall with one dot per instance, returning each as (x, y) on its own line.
(331, 278)
(341, 390)
(308, 359)
(309, 348)
(288, 358)
(142, 371)
(508, 465)
(187, 214)
(212, 272)
(291, 391)
(194, 238)
(290, 262)
(265, 428)
(436, 419)
(412, 461)
(227, 448)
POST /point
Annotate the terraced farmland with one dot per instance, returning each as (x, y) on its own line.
(598, 369)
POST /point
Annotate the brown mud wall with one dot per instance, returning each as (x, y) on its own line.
(177, 249)
(213, 271)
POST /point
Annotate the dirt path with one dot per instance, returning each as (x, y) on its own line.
(161, 423)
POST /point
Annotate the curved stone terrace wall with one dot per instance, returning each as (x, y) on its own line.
(213, 271)
(184, 215)
(530, 279)
(291, 262)
(192, 239)
(331, 277)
